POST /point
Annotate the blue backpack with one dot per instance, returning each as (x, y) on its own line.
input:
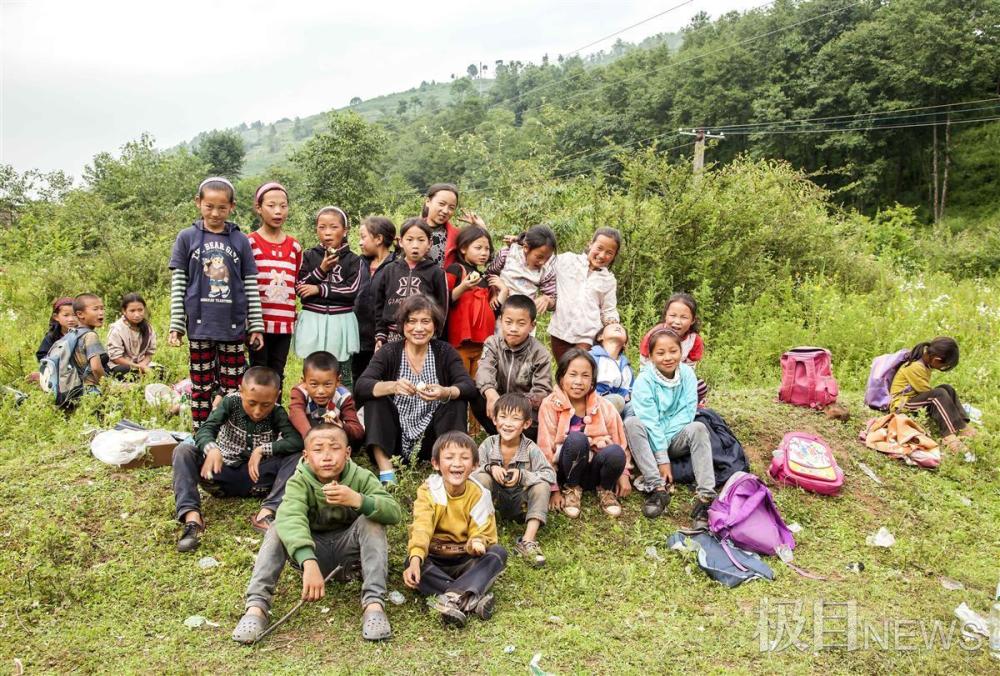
(725, 562)
(58, 373)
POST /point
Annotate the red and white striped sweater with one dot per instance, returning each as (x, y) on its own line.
(277, 266)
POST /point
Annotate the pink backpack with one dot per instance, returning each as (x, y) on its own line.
(806, 378)
(805, 460)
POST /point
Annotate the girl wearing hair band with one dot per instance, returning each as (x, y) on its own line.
(328, 284)
(214, 297)
(279, 257)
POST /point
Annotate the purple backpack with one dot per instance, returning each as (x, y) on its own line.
(880, 377)
(745, 513)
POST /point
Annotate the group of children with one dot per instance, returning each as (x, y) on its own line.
(548, 441)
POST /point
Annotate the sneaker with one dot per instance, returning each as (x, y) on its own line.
(571, 501)
(699, 514)
(609, 502)
(451, 612)
(656, 504)
(530, 551)
(484, 607)
(190, 537)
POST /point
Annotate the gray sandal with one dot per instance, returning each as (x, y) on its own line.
(249, 628)
(375, 625)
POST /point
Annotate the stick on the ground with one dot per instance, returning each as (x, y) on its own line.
(294, 609)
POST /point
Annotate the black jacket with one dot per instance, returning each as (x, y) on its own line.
(338, 288)
(364, 304)
(399, 282)
(385, 365)
(727, 451)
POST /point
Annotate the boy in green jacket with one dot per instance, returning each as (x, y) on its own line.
(333, 513)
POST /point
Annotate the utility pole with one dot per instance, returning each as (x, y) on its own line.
(699, 145)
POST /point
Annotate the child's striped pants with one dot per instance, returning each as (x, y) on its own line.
(216, 368)
(942, 406)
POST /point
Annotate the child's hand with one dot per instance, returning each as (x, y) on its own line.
(542, 303)
(556, 501)
(477, 548)
(378, 345)
(212, 464)
(491, 401)
(513, 477)
(472, 218)
(509, 239)
(313, 587)
(623, 488)
(342, 496)
(667, 473)
(328, 262)
(253, 464)
(411, 576)
(256, 341)
(307, 290)
(174, 339)
(499, 474)
(601, 442)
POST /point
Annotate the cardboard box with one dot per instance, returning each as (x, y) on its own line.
(160, 446)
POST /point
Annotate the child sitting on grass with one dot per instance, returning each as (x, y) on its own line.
(88, 357)
(320, 398)
(61, 321)
(131, 339)
(334, 513)
(614, 374)
(247, 447)
(453, 552)
(516, 473)
(513, 361)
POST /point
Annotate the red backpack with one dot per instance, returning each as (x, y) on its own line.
(805, 460)
(806, 378)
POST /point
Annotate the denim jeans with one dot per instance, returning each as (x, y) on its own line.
(363, 540)
(463, 575)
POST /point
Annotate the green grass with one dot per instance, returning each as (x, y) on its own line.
(90, 581)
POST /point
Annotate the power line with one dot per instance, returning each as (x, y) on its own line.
(861, 129)
(628, 28)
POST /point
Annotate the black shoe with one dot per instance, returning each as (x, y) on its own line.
(484, 607)
(190, 539)
(656, 504)
(699, 514)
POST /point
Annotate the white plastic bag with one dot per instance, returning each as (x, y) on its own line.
(158, 394)
(119, 447)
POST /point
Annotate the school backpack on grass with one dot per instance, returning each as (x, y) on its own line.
(805, 460)
(806, 378)
(58, 374)
(880, 377)
(745, 513)
(723, 562)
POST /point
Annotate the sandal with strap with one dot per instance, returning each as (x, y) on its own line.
(249, 628)
(375, 625)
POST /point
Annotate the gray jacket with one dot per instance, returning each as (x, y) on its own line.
(529, 459)
(527, 369)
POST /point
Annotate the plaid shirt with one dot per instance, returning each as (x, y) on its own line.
(236, 435)
(414, 413)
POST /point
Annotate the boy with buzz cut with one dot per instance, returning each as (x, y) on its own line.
(320, 398)
(513, 361)
(246, 448)
(453, 552)
(89, 352)
(334, 514)
(515, 471)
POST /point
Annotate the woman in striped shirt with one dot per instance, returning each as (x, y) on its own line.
(279, 257)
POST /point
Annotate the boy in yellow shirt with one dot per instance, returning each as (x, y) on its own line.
(453, 551)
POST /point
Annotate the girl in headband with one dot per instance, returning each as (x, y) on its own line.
(279, 257)
(214, 297)
(328, 284)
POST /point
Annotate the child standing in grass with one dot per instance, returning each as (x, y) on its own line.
(333, 513)
(680, 315)
(328, 284)
(471, 320)
(911, 390)
(665, 399)
(131, 339)
(587, 292)
(453, 552)
(321, 399)
(376, 237)
(278, 256)
(214, 297)
(581, 434)
(247, 447)
(525, 267)
(517, 474)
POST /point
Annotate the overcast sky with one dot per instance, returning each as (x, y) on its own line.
(82, 76)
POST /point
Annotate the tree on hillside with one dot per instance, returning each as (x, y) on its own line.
(356, 100)
(341, 165)
(223, 152)
(472, 70)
